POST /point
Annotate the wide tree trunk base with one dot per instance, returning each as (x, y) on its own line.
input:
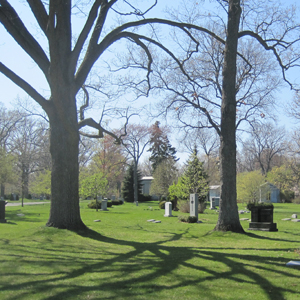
(233, 228)
(73, 227)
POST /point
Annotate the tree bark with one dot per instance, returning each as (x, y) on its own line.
(64, 148)
(228, 216)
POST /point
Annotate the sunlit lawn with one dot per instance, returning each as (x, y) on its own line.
(126, 257)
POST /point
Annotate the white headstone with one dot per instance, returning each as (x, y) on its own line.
(168, 209)
(212, 203)
(194, 205)
(294, 216)
(104, 205)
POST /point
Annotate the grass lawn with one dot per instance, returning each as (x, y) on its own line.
(126, 257)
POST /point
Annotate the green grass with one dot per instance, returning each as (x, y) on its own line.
(126, 257)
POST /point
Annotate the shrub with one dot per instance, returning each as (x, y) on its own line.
(94, 205)
(161, 204)
(187, 219)
(144, 198)
(184, 206)
(117, 202)
(262, 204)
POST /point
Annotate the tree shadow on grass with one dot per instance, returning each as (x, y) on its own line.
(256, 236)
(136, 270)
(12, 217)
(171, 258)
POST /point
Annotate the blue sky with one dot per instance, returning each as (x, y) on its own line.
(12, 56)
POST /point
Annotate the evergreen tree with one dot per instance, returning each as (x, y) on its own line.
(160, 148)
(195, 178)
(128, 189)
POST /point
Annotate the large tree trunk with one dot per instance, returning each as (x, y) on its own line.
(64, 147)
(228, 215)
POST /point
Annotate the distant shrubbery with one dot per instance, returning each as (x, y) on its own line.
(95, 205)
(117, 202)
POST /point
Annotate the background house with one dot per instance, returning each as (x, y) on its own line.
(214, 195)
(269, 192)
(146, 184)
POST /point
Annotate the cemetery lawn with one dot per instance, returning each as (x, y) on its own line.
(126, 257)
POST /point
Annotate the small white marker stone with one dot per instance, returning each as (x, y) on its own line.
(293, 263)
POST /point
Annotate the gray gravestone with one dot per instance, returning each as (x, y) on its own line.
(294, 216)
(168, 209)
(104, 205)
(2, 211)
(194, 205)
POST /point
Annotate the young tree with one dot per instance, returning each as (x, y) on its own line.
(164, 175)
(108, 157)
(248, 186)
(128, 188)
(93, 186)
(160, 146)
(41, 183)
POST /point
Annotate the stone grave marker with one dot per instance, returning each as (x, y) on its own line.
(294, 216)
(194, 205)
(293, 263)
(212, 203)
(104, 205)
(168, 209)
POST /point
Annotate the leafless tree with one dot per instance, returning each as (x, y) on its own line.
(266, 142)
(135, 143)
(30, 143)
